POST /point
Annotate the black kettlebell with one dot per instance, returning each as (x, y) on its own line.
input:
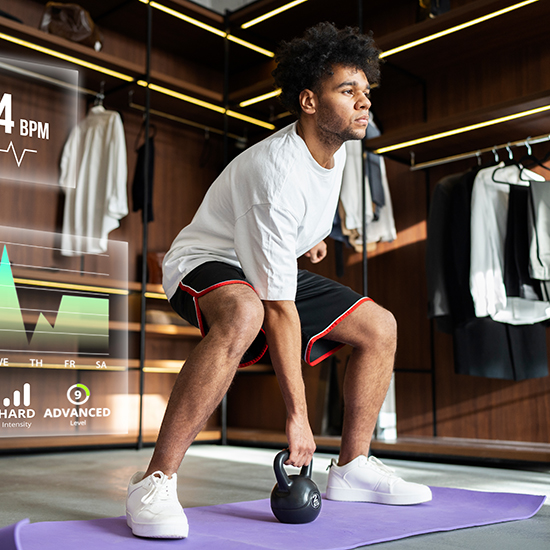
(295, 498)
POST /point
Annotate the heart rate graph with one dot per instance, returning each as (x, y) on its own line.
(81, 323)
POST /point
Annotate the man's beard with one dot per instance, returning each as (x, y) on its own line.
(332, 132)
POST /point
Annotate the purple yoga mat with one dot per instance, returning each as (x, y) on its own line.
(251, 525)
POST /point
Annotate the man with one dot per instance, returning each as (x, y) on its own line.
(233, 273)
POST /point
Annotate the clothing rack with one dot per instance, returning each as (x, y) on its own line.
(181, 120)
(527, 142)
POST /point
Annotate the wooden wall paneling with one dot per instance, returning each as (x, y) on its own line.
(398, 101)
(493, 409)
(187, 164)
(255, 402)
(165, 64)
(174, 348)
(29, 12)
(496, 77)
(414, 404)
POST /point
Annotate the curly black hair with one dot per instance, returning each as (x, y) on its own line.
(303, 63)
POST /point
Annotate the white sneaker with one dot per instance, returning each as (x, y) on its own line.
(153, 509)
(369, 480)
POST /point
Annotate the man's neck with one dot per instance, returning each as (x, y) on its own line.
(321, 150)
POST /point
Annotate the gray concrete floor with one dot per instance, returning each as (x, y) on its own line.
(92, 484)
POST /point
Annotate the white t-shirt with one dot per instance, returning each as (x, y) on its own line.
(269, 206)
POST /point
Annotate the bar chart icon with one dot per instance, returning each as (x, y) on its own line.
(16, 401)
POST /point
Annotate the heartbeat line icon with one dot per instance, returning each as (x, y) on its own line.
(18, 160)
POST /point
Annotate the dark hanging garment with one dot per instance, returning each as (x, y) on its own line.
(517, 280)
(339, 241)
(439, 232)
(457, 260)
(486, 348)
(138, 187)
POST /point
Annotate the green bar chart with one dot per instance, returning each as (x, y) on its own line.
(81, 323)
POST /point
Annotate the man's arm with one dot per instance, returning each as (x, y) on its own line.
(282, 327)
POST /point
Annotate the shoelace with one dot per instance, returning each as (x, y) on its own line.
(159, 489)
(375, 462)
(381, 466)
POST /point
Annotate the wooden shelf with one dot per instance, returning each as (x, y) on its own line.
(466, 448)
(476, 139)
(257, 368)
(165, 330)
(428, 447)
(170, 366)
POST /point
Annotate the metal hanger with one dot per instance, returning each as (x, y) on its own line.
(100, 96)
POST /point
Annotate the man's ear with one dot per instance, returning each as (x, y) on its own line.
(308, 101)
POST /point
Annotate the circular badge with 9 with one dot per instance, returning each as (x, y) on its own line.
(78, 394)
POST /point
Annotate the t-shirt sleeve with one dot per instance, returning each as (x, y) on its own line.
(265, 243)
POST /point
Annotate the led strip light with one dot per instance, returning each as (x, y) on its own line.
(156, 295)
(271, 14)
(462, 130)
(208, 28)
(262, 97)
(207, 105)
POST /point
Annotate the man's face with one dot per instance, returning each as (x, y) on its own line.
(343, 106)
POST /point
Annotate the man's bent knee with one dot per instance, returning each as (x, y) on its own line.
(383, 325)
(234, 314)
(369, 325)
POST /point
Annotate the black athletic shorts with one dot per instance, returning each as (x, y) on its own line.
(321, 303)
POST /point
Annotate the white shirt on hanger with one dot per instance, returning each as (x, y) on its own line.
(351, 192)
(94, 207)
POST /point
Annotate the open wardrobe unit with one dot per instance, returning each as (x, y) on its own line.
(460, 149)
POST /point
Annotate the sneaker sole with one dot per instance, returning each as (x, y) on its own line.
(363, 495)
(158, 531)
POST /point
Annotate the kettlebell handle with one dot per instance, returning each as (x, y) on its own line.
(282, 478)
